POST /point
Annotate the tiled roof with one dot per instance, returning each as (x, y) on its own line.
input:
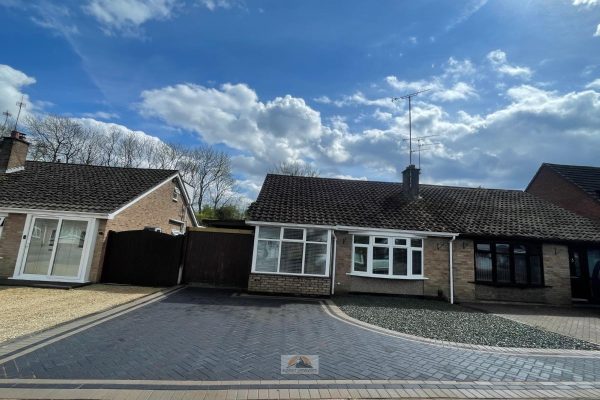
(484, 212)
(75, 187)
(586, 178)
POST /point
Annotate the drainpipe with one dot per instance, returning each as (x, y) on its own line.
(333, 263)
(451, 267)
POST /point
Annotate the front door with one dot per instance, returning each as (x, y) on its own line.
(584, 265)
(55, 248)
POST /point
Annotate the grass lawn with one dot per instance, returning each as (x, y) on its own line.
(440, 320)
(28, 310)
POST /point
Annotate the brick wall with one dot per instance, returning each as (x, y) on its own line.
(436, 260)
(556, 275)
(304, 285)
(10, 243)
(153, 210)
(550, 186)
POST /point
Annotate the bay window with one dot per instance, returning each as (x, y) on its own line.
(508, 263)
(293, 251)
(387, 257)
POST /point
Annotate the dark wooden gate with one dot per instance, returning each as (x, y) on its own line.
(219, 257)
(143, 258)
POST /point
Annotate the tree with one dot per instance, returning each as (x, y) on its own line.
(294, 168)
(54, 137)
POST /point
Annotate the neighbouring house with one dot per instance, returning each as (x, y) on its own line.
(321, 236)
(575, 188)
(54, 217)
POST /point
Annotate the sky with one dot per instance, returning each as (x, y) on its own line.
(512, 83)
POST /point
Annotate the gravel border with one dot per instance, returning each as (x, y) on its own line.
(440, 320)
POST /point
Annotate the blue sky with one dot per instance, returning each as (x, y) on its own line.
(513, 83)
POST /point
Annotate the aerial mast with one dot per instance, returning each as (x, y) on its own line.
(409, 98)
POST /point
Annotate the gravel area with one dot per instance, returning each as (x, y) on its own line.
(440, 320)
(28, 310)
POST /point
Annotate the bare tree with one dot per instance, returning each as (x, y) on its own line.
(295, 168)
(54, 137)
(91, 142)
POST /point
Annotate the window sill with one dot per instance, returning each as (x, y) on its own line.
(288, 274)
(399, 278)
(510, 285)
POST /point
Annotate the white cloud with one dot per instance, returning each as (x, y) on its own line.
(101, 115)
(323, 100)
(126, 16)
(595, 84)
(586, 3)
(12, 82)
(214, 4)
(460, 91)
(500, 63)
(597, 31)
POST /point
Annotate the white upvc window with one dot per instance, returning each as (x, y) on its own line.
(387, 257)
(291, 251)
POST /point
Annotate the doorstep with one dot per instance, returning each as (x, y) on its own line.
(42, 284)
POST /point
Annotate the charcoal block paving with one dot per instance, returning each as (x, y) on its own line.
(204, 334)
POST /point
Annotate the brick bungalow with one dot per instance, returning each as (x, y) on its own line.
(321, 236)
(54, 218)
(577, 189)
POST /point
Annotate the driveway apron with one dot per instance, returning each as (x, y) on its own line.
(203, 334)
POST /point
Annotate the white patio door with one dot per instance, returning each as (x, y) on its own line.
(55, 248)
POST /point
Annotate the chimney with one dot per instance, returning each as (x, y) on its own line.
(13, 152)
(410, 182)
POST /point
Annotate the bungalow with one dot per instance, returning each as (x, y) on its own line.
(54, 217)
(320, 236)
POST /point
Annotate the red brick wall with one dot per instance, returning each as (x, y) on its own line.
(550, 186)
(153, 210)
(10, 243)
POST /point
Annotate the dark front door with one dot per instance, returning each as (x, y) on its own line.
(584, 265)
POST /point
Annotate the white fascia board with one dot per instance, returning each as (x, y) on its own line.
(14, 210)
(359, 229)
(188, 200)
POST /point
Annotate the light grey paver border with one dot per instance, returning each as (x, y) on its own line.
(19, 347)
(316, 389)
(334, 311)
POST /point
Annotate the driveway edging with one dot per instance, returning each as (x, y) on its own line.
(336, 312)
(34, 341)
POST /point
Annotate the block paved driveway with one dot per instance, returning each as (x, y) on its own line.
(202, 334)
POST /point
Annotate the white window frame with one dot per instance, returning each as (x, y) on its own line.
(280, 240)
(176, 194)
(391, 245)
(87, 254)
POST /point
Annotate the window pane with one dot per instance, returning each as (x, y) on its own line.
(416, 263)
(269, 232)
(315, 259)
(295, 234)
(69, 248)
(41, 245)
(520, 269)
(360, 259)
(381, 260)
(502, 248)
(400, 242)
(361, 239)
(575, 264)
(316, 235)
(503, 268)
(291, 257)
(536, 270)
(483, 267)
(381, 240)
(519, 249)
(399, 262)
(267, 255)
(416, 242)
(483, 247)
